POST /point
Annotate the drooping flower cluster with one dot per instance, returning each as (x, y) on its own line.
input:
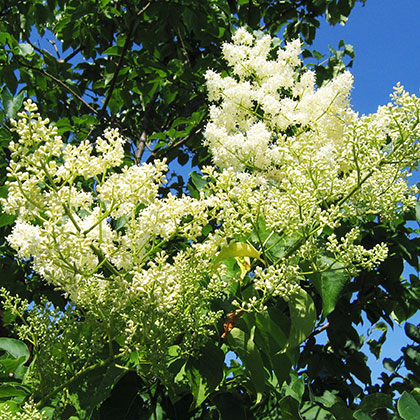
(101, 235)
(292, 164)
(315, 161)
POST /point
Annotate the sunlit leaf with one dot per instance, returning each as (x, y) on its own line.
(408, 408)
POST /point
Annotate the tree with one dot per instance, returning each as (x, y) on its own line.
(156, 96)
(142, 75)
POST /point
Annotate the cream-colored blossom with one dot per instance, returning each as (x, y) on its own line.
(292, 163)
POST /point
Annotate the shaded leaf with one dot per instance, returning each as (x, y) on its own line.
(205, 372)
(302, 317)
(289, 408)
(361, 415)
(376, 401)
(16, 348)
(242, 343)
(330, 285)
(412, 332)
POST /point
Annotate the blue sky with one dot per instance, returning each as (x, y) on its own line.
(386, 38)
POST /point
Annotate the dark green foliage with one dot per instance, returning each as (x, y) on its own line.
(139, 66)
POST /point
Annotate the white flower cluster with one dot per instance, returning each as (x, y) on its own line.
(349, 253)
(278, 280)
(293, 163)
(28, 412)
(264, 99)
(99, 234)
(299, 157)
(269, 119)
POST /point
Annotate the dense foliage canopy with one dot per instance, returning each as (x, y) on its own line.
(154, 296)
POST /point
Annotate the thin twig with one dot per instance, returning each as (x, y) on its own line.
(144, 9)
(183, 47)
(117, 72)
(320, 329)
(140, 147)
(177, 144)
(52, 42)
(68, 88)
(72, 54)
(103, 363)
(120, 62)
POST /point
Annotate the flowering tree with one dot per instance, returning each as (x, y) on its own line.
(252, 261)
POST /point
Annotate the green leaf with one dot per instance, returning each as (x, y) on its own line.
(375, 346)
(408, 408)
(12, 390)
(374, 402)
(329, 285)
(335, 405)
(17, 349)
(9, 77)
(271, 332)
(6, 219)
(295, 388)
(361, 415)
(390, 364)
(230, 406)
(12, 104)
(412, 332)
(237, 249)
(25, 49)
(272, 339)
(302, 317)
(197, 180)
(10, 366)
(114, 50)
(418, 212)
(242, 343)
(104, 386)
(9, 406)
(204, 377)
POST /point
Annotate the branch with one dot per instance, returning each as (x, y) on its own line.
(140, 147)
(120, 62)
(71, 55)
(320, 329)
(52, 42)
(183, 47)
(68, 88)
(43, 52)
(230, 322)
(143, 137)
(277, 17)
(141, 11)
(177, 144)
